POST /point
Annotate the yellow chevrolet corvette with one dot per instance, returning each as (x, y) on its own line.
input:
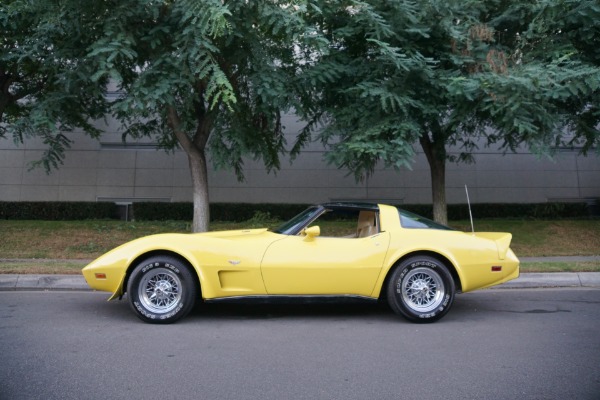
(365, 251)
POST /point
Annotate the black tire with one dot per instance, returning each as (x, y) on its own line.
(161, 290)
(421, 289)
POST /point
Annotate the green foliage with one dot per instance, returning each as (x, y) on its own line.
(370, 77)
(57, 211)
(264, 213)
(503, 211)
(458, 74)
(223, 212)
(364, 105)
(262, 219)
(153, 211)
(189, 73)
(454, 75)
(206, 68)
(532, 211)
(44, 85)
(269, 58)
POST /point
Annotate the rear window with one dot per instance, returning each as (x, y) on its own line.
(414, 221)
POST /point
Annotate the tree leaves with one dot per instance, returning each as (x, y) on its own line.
(507, 73)
(379, 74)
(46, 89)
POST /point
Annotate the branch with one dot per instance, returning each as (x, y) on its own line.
(175, 124)
(426, 144)
(203, 118)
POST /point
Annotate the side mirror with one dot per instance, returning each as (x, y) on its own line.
(311, 233)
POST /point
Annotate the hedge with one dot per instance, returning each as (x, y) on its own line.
(238, 212)
(499, 211)
(224, 212)
(58, 211)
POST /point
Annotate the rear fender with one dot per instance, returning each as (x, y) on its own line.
(502, 240)
(446, 259)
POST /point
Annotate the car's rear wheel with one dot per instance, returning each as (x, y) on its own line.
(162, 290)
(421, 289)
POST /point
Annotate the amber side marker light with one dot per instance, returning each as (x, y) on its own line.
(100, 275)
(496, 268)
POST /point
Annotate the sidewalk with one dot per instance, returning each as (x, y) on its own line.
(525, 281)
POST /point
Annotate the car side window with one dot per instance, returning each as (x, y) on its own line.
(350, 224)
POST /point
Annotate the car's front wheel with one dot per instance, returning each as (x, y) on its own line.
(421, 289)
(162, 290)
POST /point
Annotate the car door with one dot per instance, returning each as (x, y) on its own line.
(301, 265)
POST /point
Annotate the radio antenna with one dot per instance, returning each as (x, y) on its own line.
(470, 214)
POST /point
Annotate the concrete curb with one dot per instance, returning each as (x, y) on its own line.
(525, 281)
(43, 282)
(550, 280)
(553, 259)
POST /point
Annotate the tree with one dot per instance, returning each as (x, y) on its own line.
(376, 76)
(215, 74)
(450, 74)
(190, 73)
(44, 90)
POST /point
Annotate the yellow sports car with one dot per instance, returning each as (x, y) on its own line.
(365, 251)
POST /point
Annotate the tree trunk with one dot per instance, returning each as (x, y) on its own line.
(438, 191)
(198, 169)
(435, 151)
(195, 150)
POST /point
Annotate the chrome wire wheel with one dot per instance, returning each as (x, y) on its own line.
(422, 289)
(160, 290)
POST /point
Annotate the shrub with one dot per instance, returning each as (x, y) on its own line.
(57, 211)
(238, 212)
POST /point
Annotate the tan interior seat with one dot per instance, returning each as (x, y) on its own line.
(367, 224)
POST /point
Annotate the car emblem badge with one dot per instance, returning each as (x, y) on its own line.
(234, 262)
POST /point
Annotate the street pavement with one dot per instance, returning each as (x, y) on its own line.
(525, 281)
(525, 344)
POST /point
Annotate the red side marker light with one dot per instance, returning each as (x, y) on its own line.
(496, 268)
(100, 275)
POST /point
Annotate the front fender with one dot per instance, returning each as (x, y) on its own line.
(108, 272)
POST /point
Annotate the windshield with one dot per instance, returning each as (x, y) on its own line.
(294, 225)
(414, 221)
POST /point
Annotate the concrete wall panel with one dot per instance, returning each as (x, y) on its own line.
(124, 159)
(40, 192)
(11, 176)
(10, 192)
(11, 158)
(153, 159)
(149, 193)
(77, 193)
(81, 159)
(154, 177)
(116, 177)
(589, 179)
(84, 177)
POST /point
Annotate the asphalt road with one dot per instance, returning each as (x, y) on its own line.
(494, 344)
